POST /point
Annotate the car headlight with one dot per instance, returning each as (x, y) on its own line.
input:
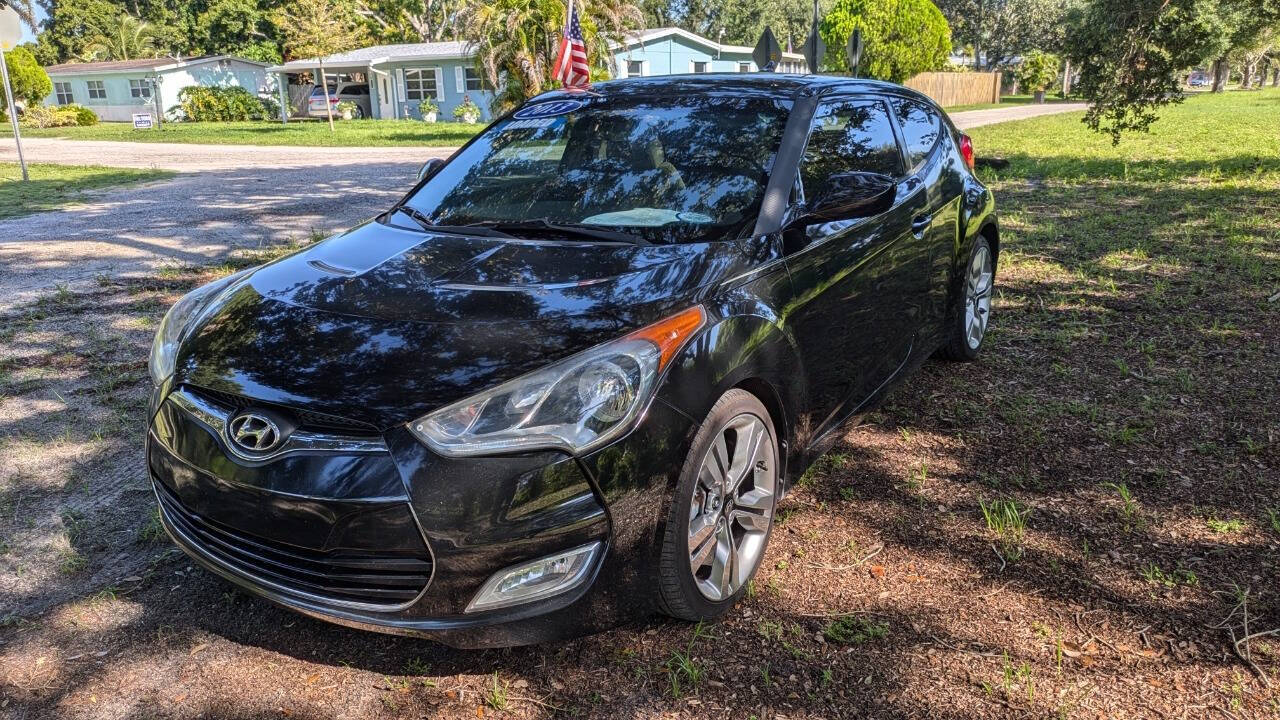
(574, 405)
(180, 318)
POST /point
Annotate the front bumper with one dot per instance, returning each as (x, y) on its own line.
(344, 536)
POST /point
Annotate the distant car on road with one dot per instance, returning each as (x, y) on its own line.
(357, 93)
(1198, 81)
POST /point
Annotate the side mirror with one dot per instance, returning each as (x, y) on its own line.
(851, 195)
(429, 168)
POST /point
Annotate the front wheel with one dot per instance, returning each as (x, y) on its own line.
(968, 326)
(722, 511)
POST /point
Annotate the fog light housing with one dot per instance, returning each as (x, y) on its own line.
(536, 580)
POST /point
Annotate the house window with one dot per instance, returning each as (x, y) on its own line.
(635, 68)
(96, 90)
(420, 84)
(63, 92)
(744, 67)
(701, 66)
(473, 81)
(140, 89)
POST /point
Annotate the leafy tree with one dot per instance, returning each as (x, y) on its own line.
(1037, 71)
(26, 12)
(1130, 52)
(318, 29)
(999, 30)
(237, 27)
(516, 41)
(900, 39)
(412, 20)
(30, 82)
(130, 39)
(741, 22)
(72, 25)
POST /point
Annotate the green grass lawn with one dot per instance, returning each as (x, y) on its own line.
(53, 186)
(348, 133)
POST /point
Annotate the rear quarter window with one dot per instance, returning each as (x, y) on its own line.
(921, 128)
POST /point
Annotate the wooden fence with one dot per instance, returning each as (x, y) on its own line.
(960, 88)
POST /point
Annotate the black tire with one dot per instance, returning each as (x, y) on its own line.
(678, 595)
(957, 346)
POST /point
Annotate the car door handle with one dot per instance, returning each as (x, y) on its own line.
(920, 224)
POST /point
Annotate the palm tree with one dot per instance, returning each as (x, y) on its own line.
(515, 41)
(130, 40)
(26, 10)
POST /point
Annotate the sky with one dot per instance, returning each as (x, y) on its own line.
(26, 31)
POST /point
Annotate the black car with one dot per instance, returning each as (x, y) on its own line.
(564, 381)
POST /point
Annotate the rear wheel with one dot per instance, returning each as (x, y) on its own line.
(973, 309)
(722, 512)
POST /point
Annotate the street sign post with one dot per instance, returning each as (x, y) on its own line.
(815, 48)
(768, 52)
(10, 35)
(853, 51)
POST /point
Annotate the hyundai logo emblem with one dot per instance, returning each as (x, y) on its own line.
(254, 432)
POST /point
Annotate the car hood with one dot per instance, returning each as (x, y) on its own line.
(383, 325)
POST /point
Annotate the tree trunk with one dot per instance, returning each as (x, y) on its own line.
(328, 107)
(1220, 72)
(1039, 96)
(1066, 78)
(1246, 81)
(977, 41)
(1275, 79)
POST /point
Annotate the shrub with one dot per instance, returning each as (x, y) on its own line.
(30, 82)
(899, 39)
(213, 104)
(84, 116)
(41, 116)
(1037, 71)
(466, 109)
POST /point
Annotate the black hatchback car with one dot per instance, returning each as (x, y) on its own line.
(565, 380)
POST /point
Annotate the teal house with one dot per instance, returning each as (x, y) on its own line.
(116, 90)
(672, 51)
(400, 77)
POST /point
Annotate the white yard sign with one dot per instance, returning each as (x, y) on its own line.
(10, 36)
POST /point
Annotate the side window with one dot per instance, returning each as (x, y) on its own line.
(847, 137)
(921, 128)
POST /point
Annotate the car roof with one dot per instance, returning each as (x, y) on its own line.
(779, 85)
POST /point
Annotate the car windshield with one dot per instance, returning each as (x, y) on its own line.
(675, 169)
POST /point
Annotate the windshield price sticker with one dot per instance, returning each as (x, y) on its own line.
(548, 109)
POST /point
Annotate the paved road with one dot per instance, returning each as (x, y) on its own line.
(978, 118)
(228, 197)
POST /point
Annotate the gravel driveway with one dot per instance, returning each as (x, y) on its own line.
(193, 219)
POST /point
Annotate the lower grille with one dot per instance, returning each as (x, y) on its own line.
(375, 582)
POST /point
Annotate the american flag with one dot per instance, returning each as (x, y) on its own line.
(571, 64)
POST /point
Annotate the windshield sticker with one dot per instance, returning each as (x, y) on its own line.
(548, 109)
(535, 123)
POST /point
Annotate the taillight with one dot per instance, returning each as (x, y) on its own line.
(966, 150)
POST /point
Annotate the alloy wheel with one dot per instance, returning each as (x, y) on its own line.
(732, 507)
(978, 288)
